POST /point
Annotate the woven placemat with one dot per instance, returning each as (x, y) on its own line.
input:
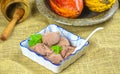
(102, 55)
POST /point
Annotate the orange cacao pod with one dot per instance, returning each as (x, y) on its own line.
(67, 8)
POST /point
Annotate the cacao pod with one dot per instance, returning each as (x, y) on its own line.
(67, 8)
(99, 5)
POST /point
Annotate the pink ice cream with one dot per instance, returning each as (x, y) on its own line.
(63, 41)
(53, 38)
(55, 58)
(66, 51)
(42, 49)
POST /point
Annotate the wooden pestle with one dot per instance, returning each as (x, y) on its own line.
(18, 14)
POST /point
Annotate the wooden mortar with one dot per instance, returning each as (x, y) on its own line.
(8, 7)
(14, 11)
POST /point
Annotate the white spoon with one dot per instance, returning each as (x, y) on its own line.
(84, 41)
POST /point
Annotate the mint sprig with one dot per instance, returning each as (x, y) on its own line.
(34, 39)
(56, 48)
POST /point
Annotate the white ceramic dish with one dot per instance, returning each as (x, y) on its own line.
(56, 68)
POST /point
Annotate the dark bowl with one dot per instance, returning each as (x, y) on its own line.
(85, 19)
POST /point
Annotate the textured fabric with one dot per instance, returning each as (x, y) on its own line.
(102, 55)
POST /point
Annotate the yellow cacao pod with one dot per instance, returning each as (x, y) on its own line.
(99, 5)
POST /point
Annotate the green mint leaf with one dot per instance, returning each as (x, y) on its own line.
(56, 48)
(34, 39)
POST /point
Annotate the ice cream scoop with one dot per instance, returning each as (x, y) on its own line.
(84, 42)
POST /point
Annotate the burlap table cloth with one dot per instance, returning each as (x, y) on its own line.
(102, 55)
